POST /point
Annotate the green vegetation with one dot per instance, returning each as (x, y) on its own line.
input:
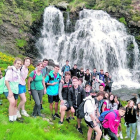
(122, 19)
(21, 43)
(38, 128)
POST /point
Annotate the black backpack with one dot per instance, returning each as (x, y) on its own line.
(80, 110)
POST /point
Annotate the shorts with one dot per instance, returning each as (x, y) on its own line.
(22, 89)
(15, 95)
(67, 105)
(52, 99)
(90, 124)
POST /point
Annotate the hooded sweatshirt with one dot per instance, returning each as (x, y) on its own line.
(112, 121)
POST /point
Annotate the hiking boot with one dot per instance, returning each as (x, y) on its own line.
(24, 113)
(53, 117)
(18, 114)
(41, 107)
(60, 122)
(80, 130)
(68, 120)
(56, 115)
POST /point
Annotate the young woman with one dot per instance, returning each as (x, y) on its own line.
(138, 121)
(130, 119)
(107, 105)
(87, 76)
(116, 106)
(12, 79)
(22, 87)
(36, 87)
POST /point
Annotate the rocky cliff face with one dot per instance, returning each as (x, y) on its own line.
(21, 21)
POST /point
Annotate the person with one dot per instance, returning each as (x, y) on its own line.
(63, 96)
(130, 119)
(81, 73)
(101, 75)
(36, 87)
(108, 104)
(81, 83)
(74, 71)
(90, 118)
(22, 87)
(11, 90)
(45, 73)
(87, 76)
(52, 81)
(65, 68)
(108, 82)
(75, 97)
(87, 90)
(116, 105)
(94, 73)
(138, 121)
(111, 122)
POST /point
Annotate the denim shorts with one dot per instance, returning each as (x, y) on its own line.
(22, 89)
(15, 95)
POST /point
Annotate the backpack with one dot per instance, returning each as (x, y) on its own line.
(102, 116)
(80, 110)
(2, 85)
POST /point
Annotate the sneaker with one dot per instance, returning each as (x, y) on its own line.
(60, 122)
(71, 118)
(121, 136)
(18, 114)
(68, 120)
(56, 115)
(53, 117)
(24, 113)
(41, 107)
(126, 137)
(80, 130)
(106, 137)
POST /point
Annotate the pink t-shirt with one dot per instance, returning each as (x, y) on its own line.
(106, 109)
(23, 75)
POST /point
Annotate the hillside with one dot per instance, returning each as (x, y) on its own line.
(21, 20)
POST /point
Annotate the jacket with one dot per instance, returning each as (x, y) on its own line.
(52, 90)
(72, 97)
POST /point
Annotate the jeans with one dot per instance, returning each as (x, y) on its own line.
(138, 128)
(133, 125)
(111, 134)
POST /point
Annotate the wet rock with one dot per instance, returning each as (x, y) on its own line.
(62, 6)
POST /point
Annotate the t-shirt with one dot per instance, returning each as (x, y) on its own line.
(45, 71)
(13, 76)
(37, 84)
(23, 75)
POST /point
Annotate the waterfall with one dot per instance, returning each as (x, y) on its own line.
(98, 41)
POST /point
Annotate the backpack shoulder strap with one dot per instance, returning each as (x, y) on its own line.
(34, 76)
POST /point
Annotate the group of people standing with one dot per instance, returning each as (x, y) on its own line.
(102, 110)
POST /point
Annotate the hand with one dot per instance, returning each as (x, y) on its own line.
(72, 110)
(97, 120)
(62, 102)
(108, 81)
(95, 124)
(45, 91)
(54, 83)
(10, 94)
(117, 135)
(29, 92)
(62, 81)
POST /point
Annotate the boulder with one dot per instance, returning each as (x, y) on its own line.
(62, 5)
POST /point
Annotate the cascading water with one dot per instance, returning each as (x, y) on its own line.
(98, 41)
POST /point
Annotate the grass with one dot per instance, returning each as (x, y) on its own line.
(37, 128)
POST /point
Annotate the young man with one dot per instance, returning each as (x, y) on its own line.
(75, 97)
(111, 122)
(101, 75)
(52, 80)
(108, 82)
(74, 71)
(94, 73)
(81, 73)
(90, 118)
(65, 68)
(63, 96)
